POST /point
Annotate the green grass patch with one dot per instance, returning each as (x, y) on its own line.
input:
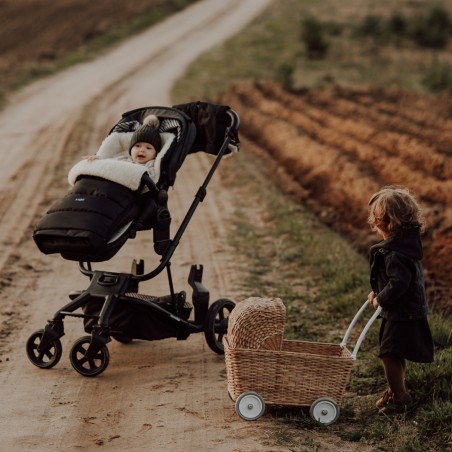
(352, 42)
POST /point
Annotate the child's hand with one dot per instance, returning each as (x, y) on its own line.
(372, 299)
(375, 303)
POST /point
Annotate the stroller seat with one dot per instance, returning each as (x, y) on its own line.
(111, 199)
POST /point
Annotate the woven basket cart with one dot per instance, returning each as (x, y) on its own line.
(263, 368)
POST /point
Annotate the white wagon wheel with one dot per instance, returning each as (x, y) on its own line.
(250, 406)
(324, 410)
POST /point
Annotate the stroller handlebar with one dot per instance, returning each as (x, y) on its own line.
(235, 123)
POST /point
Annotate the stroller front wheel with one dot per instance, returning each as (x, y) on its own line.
(88, 366)
(216, 325)
(47, 358)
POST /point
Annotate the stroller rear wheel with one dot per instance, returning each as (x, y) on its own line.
(47, 358)
(88, 366)
(216, 325)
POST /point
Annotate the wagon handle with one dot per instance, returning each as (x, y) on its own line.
(363, 332)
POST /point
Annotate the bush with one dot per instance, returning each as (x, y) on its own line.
(285, 74)
(313, 37)
(397, 24)
(438, 77)
(431, 31)
(372, 25)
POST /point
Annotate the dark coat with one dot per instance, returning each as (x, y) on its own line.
(396, 276)
(397, 280)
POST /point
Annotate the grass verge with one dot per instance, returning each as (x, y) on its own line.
(287, 252)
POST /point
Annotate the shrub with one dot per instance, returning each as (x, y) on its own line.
(438, 77)
(285, 74)
(431, 31)
(313, 37)
(371, 25)
(397, 24)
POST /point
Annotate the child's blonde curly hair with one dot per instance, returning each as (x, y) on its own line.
(393, 209)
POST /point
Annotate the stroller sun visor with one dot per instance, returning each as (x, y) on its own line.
(123, 172)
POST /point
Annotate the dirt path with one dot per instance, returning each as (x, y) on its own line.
(154, 395)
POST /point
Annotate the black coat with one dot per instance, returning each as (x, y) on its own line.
(396, 276)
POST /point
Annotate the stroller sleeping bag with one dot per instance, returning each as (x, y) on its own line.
(88, 224)
(106, 205)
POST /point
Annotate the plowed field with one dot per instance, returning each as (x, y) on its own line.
(333, 148)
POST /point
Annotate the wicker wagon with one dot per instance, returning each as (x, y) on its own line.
(263, 368)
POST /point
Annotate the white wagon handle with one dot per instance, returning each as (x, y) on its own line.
(363, 332)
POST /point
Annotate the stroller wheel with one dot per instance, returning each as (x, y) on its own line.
(216, 325)
(88, 366)
(47, 358)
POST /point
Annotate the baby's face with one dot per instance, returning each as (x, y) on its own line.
(142, 152)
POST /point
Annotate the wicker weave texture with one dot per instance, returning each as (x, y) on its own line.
(297, 375)
(257, 323)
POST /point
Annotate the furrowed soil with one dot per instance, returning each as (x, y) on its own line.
(332, 148)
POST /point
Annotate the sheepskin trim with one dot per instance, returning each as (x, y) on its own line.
(167, 140)
(115, 145)
(120, 171)
(125, 173)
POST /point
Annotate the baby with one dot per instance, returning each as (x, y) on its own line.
(144, 145)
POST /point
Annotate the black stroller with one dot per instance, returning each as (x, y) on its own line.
(98, 216)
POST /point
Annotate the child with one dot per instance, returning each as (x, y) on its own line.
(397, 284)
(145, 143)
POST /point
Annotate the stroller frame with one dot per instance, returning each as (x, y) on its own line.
(89, 355)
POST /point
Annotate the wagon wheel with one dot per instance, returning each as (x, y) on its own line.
(324, 410)
(47, 358)
(216, 325)
(88, 367)
(250, 406)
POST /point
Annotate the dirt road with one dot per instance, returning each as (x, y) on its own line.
(154, 395)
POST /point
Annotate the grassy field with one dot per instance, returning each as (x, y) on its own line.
(287, 251)
(272, 48)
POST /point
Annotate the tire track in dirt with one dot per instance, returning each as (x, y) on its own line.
(339, 155)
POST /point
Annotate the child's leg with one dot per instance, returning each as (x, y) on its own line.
(395, 375)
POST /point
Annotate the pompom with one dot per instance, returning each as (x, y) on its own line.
(151, 120)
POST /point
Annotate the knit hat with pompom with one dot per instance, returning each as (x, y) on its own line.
(147, 133)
